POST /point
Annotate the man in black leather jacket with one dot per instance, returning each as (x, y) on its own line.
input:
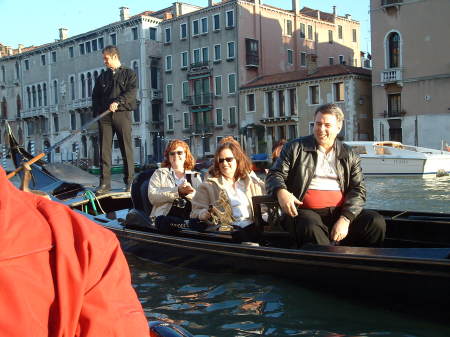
(115, 89)
(319, 183)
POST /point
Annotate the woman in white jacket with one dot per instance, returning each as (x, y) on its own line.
(173, 185)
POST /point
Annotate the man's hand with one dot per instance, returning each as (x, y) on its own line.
(340, 229)
(114, 106)
(288, 202)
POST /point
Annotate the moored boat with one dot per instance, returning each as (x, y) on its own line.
(388, 158)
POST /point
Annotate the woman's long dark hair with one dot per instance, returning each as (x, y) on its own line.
(243, 163)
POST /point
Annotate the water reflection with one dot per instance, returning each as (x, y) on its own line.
(227, 305)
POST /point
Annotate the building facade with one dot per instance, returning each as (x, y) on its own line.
(411, 74)
(283, 105)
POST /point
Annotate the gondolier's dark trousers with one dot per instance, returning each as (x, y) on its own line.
(314, 226)
(119, 123)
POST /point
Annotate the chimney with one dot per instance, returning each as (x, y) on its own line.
(63, 33)
(124, 13)
(9, 51)
(178, 10)
(311, 63)
(20, 48)
(348, 16)
(296, 6)
(318, 15)
(168, 16)
(210, 3)
(334, 11)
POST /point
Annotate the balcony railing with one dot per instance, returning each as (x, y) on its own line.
(156, 95)
(252, 60)
(387, 3)
(199, 65)
(201, 129)
(391, 75)
(203, 99)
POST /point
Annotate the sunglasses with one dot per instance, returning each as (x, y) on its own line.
(228, 159)
(173, 153)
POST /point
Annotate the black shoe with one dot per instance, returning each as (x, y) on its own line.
(103, 189)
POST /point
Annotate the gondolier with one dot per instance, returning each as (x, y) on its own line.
(323, 178)
(115, 89)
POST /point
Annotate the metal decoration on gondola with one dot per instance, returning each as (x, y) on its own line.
(221, 213)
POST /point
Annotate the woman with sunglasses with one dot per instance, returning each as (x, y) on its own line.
(231, 173)
(172, 186)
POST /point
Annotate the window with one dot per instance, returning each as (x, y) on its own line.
(341, 59)
(184, 91)
(39, 92)
(219, 117)
(113, 39)
(55, 92)
(100, 43)
(73, 121)
(232, 113)
(281, 102)
(289, 27)
(137, 114)
(135, 67)
(216, 22)
(394, 105)
(83, 86)
(303, 59)
(94, 45)
(56, 122)
(204, 23)
(218, 85)
(169, 63)
(195, 28)
(205, 54)
(290, 57)
(115, 143)
(54, 56)
(167, 35)
(33, 92)
(137, 142)
(3, 74)
(27, 64)
(184, 60)
(89, 84)
(270, 104)
(88, 47)
(72, 88)
(314, 94)
(292, 132)
(43, 59)
(152, 32)
(230, 50)
(229, 19)
(310, 32)
(331, 61)
(44, 92)
(217, 52)
(186, 124)
(231, 83)
(169, 122)
(196, 56)
(250, 102)
(330, 36)
(354, 35)
(394, 50)
(183, 31)
(340, 34)
(169, 93)
(339, 93)
(252, 52)
(134, 33)
(293, 101)
(302, 30)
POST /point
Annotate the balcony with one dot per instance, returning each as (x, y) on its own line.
(201, 129)
(394, 113)
(200, 65)
(156, 95)
(82, 103)
(200, 100)
(391, 75)
(252, 60)
(391, 3)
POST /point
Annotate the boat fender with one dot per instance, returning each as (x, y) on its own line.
(163, 329)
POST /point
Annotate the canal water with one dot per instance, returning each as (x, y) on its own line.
(231, 305)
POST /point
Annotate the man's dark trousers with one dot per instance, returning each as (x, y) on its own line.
(118, 122)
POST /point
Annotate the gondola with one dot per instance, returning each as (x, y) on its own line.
(413, 266)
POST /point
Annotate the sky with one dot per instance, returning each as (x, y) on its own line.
(37, 22)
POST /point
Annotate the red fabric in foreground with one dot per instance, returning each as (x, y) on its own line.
(61, 274)
(316, 199)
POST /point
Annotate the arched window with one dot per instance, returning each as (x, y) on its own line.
(17, 70)
(3, 74)
(83, 86)
(89, 84)
(72, 88)
(33, 90)
(39, 91)
(29, 97)
(4, 108)
(84, 146)
(18, 104)
(136, 70)
(44, 90)
(394, 50)
(55, 91)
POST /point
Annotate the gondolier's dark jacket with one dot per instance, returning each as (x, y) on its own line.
(295, 169)
(119, 87)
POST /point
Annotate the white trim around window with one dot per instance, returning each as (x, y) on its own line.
(184, 62)
(232, 81)
(183, 37)
(309, 94)
(168, 63)
(169, 93)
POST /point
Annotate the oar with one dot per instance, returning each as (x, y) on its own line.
(50, 149)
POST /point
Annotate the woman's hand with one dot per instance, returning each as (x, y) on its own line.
(204, 215)
(185, 189)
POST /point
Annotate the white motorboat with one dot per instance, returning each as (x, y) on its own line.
(388, 158)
